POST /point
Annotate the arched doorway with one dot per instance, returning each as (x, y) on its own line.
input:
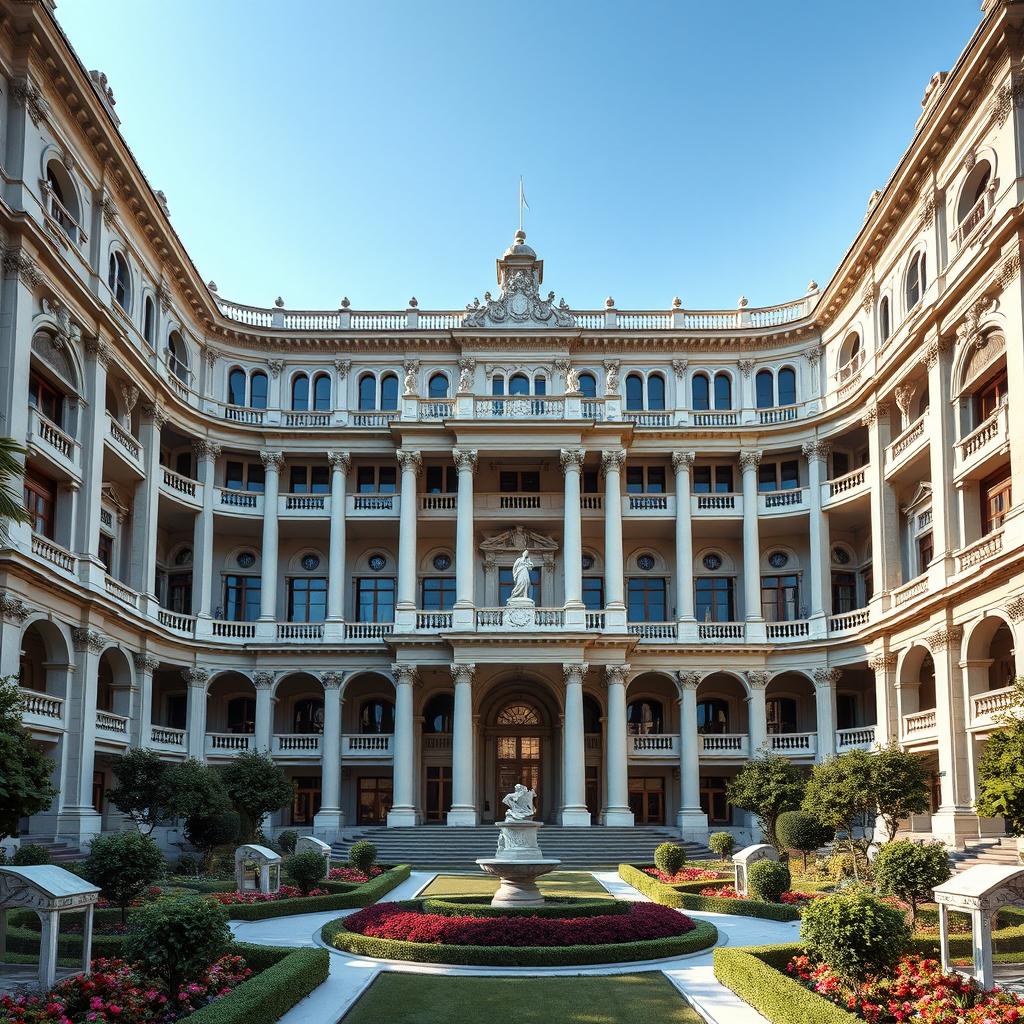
(517, 748)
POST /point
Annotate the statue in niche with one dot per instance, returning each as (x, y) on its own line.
(519, 803)
(521, 577)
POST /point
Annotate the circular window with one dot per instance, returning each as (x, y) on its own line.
(712, 561)
(183, 557)
(310, 562)
(777, 559)
(588, 561)
(442, 562)
(645, 562)
(246, 560)
(840, 556)
(377, 562)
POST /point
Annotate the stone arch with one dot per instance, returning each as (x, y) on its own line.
(299, 703)
(46, 658)
(990, 653)
(915, 672)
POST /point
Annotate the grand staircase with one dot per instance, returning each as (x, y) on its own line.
(438, 846)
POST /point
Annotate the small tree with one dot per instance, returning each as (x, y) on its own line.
(192, 789)
(306, 869)
(800, 831)
(1001, 768)
(123, 864)
(256, 786)
(909, 871)
(854, 933)
(722, 843)
(286, 840)
(141, 787)
(840, 793)
(362, 855)
(175, 940)
(670, 858)
(207, 832)
(900, 783)
(25, 787)
(767, 786)
(768, 880)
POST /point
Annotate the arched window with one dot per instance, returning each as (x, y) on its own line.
(367, 392)
(148, 319)
(781, 713)
(713, 716)
(644, 717)
(300, 392)
(723, 391)
(389, 391)
(518, 714)
(518, 384)
(177, 356)
(764, 389)
(308, 716)
(634, 391)
(242, 715)
(65, 209)
(701, 392)
(588, 385)
(787, 386)
(259, 387)
(321, 392)
(236, 387)
(437, 386)
(974, 189)
(655, 391)
(540, 385)
(884, 325)
(916, 280)
(439, 714)
(377, 716)
(497, 384)
(119, 280)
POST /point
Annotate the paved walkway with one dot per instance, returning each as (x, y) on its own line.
(351, 975)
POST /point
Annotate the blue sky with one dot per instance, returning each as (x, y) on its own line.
(315, 149)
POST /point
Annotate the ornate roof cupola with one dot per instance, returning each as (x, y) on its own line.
(520, 304)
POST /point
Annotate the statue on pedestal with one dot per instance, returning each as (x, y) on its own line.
(521, 577)
(519, 803)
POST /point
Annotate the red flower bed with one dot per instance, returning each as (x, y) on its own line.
(791, 898)
(351, 875)
(116, 991)
(152, 893)
(685, 875)
(642, 921)
(286, 892)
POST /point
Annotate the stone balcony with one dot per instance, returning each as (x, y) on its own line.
(41, 710)
(989, 442)
(54, 445)
(125, 447)
(906, 447)
(181, 488)
(847, 487)
(985, 708)
(920, 725)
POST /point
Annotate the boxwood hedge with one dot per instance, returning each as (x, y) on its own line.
(480, 906)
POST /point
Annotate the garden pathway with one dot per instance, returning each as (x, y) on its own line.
(351, 975)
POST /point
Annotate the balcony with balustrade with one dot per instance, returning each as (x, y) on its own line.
(846, 488)
(235, 502)
(987, 708)
(367, 747)
(716, 506)
(125, 447)
(985, 446)
(113, 729)
(909, 449)
(643, 748)
(782, 503)
(920, 726)
(372, 506)
(182, 489)
(41, 711)
(861, 738)
(167, 739)
(54, 446)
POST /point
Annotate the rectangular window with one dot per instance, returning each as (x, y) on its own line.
(646, 599)
(591, 483)
(241, 598)
(780, 598)
(40, 498)
(925, 552)
(713, 802)
(375, 599)
(105, 552)
(437, 593)
(183, 464)
(177, 711)
(245, 476)
(778, 476)
(867, 579)
(441, 480)
(715, 599)
(701, 480)
(989, 397)
(844, 592)
(593, 593)
(840, 464)
(505, 584)
(376, 479)
(179, 593)
(519, 482)
(995, 500)
(307, 599)
(645, 479)
(309, 480)
(46, 398)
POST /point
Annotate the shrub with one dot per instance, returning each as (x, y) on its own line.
(855, 933)
(840, 794)
(768, 879)
(362, 856)
(140, 787)
(286, 841)
(122, 865)
(306, 869)
(29, 854)
(257, 786)
(207, 832)
(899, 781)
(909, 871)
(175, 939)
(25, 786)
(670, 858)
(767, 786)
(722, 843)
(798, 830)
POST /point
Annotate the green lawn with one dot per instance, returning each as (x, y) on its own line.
(558, 883)
(611, 999)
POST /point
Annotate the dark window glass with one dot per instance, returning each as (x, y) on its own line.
(646, 597)
(701, 480)
(780, 598)
(375, 599)
(634, 392)
(655, 479)
(764, 387)
(781, 714)
(242, 715)
(119, 281)
(234, 476)
(105, 552)
(645, 717)
(925, 552)
(179, 593)
(377, 716)
(767, 477)
(723, 479)
(634, 479)
(241, 598)
(593, 593)
(497, 385)
(844, 592)
(439, 714)
(236, 387)
(715, 599)
(883, 318)
(258, 388)
(257, 478)
(308, 716)
(789, 475)
(712, 717)
(441, 480)
(846, 711)
(723, 391)
(438, 593)
(319, 480)
(540, 385)
(701, 392)
(438, 386)
(322, 393)
(367, 392)
(787, 386)
(46, 398)
(298, 480)
(995, 500)
(518, 384)
(840, 464)
(588, 385)
(300, 392)
(655, 392)
(389, 392)
(307, 599)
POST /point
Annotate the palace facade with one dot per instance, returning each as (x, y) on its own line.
(789, 528)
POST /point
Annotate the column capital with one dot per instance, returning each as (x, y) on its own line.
(340, 460)
(946, 638)
(817, 450)
(13, 608)
(206, 451)
(746, 367)
(612, 459)
(1015, 609)
(573, 672)
(615, 675)
(332, 680)
(272, 461)
(410, 461)
(464, 459)
(263, 680)
(99, 350)
(154, 411)
(934, 350)
(572, 459)
(682, 462)
(826, 677)
(750, 460)
(197, 677)
(758, 680)
(689, 680)
(873, 413)
(145, 662)
(462, 672)
(86, 639)
(341, 367)
(882, 662)
(405, 674)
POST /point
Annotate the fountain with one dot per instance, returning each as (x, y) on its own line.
(518, 860)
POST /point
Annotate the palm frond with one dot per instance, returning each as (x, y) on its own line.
(11, 466)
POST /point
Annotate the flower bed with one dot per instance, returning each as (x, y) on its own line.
(792, 898)
(480, 906)
(685, 875)
(352, 875)
(286, 892)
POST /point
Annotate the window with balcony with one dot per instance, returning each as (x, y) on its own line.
(995, 500)
(149, 319)
(506, 583)
(376, 479)
(259, 390)
(884, 318)
(844, 592)
(645, 480)
(321, 393)
(63, 206)
(786, 383)
(437, 386)
(645, 717)
(588, 385)
(712, 717)
(764, 389)
(712, 480)
(308, 716)
(377, 717)
(925, 552)
(245, 476)
(375, 599)
(179, 593)
(382, 395)
(989, 396)
(641, 394)
(105, 552)
(525, 481)
(241, 715)
(590, 481)
(177, 361)
(437, 593)
(241, 598)
(715, 598)
(846, 711)
(176, 710)
(723, 391)
(309, 480)
(780, 598)
(781, 715)
(700, 392)
(646, 598)
(307, 599)
(917, 280)
(593, 593)
(300, 393)
(439, 714)
(772, 389)
(441, 480)
(46, 398)
(40, 498)
(970, 207)
(778, 476)
(119, 280)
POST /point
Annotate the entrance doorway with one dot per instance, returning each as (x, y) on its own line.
(375, 799)
(647, 800)
(518, 759)
(306, 801)
(439, 792)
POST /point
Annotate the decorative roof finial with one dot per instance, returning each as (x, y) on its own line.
(742, 304)
(279, 302)
(677, 303)
(344, 302)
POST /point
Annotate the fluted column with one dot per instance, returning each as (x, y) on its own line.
(93, 434)
(749, 462)
(197, 679)
(403, 810)
(463, 810)
(617, 810)
(572, 542)
(682, 463)
(145, 510)
(757, 715)
(142, 711)
(206, 453)
(816, 453)
(691, 820)
(264, 684)
(340, 463)
(330, 819)
(272, 462)
(411, 463)
(825, 680)
(465, 563)
(574, 789)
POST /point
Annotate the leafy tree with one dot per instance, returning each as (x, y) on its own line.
(122, 865)
(25, 786)
(256, 787)
(306, 869)
(140, 790)
(798, 830)
(909, 871)
(361, 856)
(175, 940)
(1001, 768)
(192, 789)
(721, 843)
(839, 794)
(670, 857)
(768, 880)
(206, 832)
(12, 509)
(900, 784)
(767, 786)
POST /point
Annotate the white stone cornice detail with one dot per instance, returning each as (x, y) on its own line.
(1015, 609)
(340, 460)
(206, 451)
(874, 412)
(814, 354)
(944, 639)
(86, 639)
(276, 366)
(28, 94)
(263, 680)
(571, 458)
(613, 459)
(573, 672)
(934, 350)
(99, 350)
(211, 355)
(465, 458)
(145, 662)
(462, 672)
(615, 675)
(409, 460)
(272, 460)
(68, 332)
(17, 262)
(750, 459)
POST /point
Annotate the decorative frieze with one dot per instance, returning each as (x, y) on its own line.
(814, 354)
(99, 350)
(1010, 269)
(884, 662)
(933, 351)
(1015, 609)
(679, 368)
(68, 332)
(869, 296)
(211, 355)
(873, 413)
(275, 366)
(86, 639)
(947, 638)
(746, 367)
(969, 332)
(1009, 96)
(18, 262)
(342, 367)
(28, 95)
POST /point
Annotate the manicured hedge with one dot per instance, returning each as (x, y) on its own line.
(480, 906)
(701, 937)
(677, 896)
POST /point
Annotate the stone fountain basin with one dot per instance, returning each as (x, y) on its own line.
(518, 879)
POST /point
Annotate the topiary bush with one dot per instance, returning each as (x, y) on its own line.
(306, 869)
(123, 864)
(855, 933)
(722, 843)
(798, 830)
(29, 854)
(286, 841)
(362, 856)
(909, 871)
(767, 880)
(670, 858)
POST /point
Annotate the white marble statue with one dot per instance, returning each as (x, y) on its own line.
(519, 803)
(521, 577)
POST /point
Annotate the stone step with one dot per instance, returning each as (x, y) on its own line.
(60, 853)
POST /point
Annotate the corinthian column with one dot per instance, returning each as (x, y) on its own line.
(264, 685)
(403, 810)
(574, 789)
(272, 462)
(825, 680)
(617, 811)
(329, 819)
(612, 461)
(411, 463)
(572, 544)
(340, 463)
(749, 462)
(462, 614)
(206, 453)
(682, 463)
(691, 820)
(463, 811)
(757, 715)
(816, 453)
